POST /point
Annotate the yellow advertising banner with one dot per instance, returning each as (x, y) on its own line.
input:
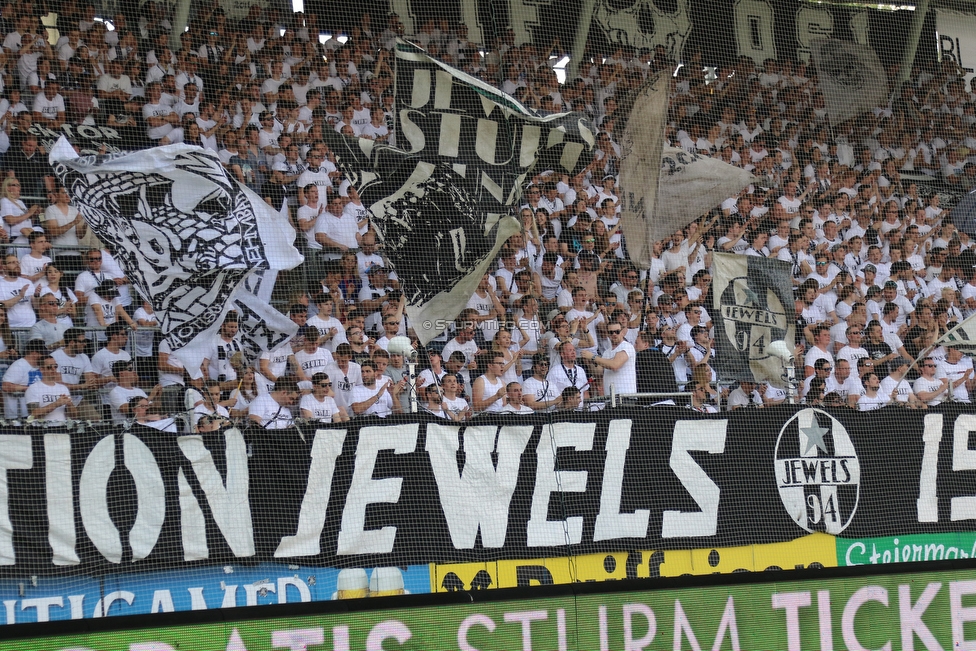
(815, 550)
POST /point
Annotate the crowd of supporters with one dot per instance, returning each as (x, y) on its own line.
(879, 271)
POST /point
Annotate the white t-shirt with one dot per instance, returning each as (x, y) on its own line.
(273, 415)
(23, 374)
(120, 396)
(560, 377)
(540, 390)
(923, 385)
(867, 403)
(323, 411)
(21, 315)
(314, 362)
(625, 378)
(344, 383)
(53, 214)
(382, 407)
(41, 394)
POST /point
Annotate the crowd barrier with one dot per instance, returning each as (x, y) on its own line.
(122, 519)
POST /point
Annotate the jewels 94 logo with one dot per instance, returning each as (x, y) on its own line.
(817, 472)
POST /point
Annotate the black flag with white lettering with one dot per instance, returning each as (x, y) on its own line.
(753, 301)
(442, 199)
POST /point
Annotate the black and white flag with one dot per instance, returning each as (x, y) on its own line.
(963, 337)
(753, 307)
(664, 188)
(442, 203)
(191, 239)
(850, 76)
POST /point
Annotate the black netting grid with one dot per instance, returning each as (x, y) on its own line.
(465, 187)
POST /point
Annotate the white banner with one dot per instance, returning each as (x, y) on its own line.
(956, 39)
(850, 76)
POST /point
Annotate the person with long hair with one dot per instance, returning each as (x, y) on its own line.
(17, 217)
(511, 370)
(530, 329)
(67, 301)
(64, 226)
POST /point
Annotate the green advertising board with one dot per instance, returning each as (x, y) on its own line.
(892, 611)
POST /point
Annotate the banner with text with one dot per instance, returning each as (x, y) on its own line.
(806, 612)
(416, 490)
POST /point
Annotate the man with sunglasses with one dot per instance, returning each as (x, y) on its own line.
(320, 404)
(537, 392)
(619, 363)
(928, 388)
(48, 399)
(48, 327)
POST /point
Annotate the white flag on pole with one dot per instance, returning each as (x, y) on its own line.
(850, 76)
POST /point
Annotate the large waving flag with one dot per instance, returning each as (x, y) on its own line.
(191, 239)
(850, 76)
(664, 188)
(442, 202)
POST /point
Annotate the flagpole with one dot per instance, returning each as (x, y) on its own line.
(960, 333)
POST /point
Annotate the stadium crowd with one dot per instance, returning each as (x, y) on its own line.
(879, 272)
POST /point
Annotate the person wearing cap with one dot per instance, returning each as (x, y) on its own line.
(48, 399)
(377, 290)
(126, 389)
(272, 410)
(19, 376)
